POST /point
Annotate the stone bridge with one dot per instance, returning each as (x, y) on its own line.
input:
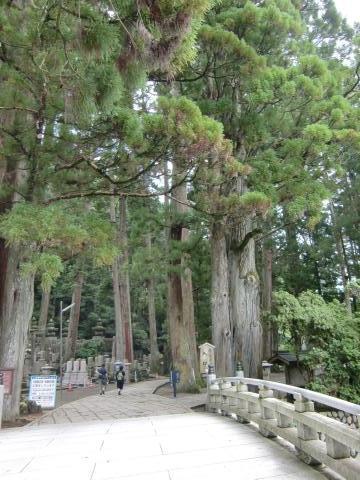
(141, 436)
(318, 439)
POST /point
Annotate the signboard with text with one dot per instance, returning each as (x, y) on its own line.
(43, 390)
(7, 379)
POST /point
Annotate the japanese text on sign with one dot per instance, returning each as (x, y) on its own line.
(43, 390)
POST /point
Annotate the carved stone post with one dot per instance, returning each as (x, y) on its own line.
(305, 432)
(266, 413)
(242, 404)
(336, 449)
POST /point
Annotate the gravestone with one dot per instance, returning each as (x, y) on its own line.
(67, 379)
(99, 360)
(83, 378)
(90, 366)
(76, 366)
(207, 357)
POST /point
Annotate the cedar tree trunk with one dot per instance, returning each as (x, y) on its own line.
(180, 297)
(154, 350)
(220, 307)
(124, 282)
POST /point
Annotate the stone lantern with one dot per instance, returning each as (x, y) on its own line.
(50, 329)
(33, 327)
(66, 328)
(98, 330)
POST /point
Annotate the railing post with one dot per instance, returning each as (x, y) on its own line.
(241, 403)
(224, 399)
(233, 401)
(304, 432)
(253, 407)
(283, 421)
(336, 449)
(266, 413)
(211, 385)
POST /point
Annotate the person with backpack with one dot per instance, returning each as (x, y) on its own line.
(103, 378)
(120, 379)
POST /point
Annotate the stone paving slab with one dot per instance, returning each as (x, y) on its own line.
(182, 446)
(137, 400)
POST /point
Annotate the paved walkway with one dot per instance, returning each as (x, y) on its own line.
(137, 400)
(91, 440)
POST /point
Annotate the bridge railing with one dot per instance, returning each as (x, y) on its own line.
(297, 422)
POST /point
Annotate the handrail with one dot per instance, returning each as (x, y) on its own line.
(321, 398)
(316, 437)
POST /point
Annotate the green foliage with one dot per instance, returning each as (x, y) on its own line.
(90, 348)
(331, 336)
(52, 232)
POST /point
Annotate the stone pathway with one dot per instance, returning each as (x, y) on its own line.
(98, 438)
(188, 446)
(136, 400)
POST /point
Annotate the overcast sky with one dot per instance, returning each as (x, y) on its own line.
(350, 9)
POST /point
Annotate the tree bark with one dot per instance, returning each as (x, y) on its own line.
(244, 293)
(268, 329)
(124, 282)
(44, 312)
(70, 350)
(154, 349)
(220, 307)
(340, 252)
(16, 307)
(119, 328)
(293, 279)
(180, 297)
(16, 290)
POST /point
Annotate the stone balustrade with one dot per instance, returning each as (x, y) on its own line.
(297, 422)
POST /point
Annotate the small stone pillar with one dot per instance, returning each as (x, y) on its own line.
(266, 368)
(239, 370)
(305, 432)
(266, 413)
(99, 360)
(83, 378)
(68, 372)
(90, 366)
(207, 357)
(76, 366)
(242, 404)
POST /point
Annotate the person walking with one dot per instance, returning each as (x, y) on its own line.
(120, 379)
(103, 378)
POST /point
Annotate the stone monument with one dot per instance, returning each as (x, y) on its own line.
(207, 357)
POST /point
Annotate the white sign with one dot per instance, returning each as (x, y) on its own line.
(43, 390)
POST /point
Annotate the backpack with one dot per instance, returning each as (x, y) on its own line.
(102, 373)
(120, 375)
